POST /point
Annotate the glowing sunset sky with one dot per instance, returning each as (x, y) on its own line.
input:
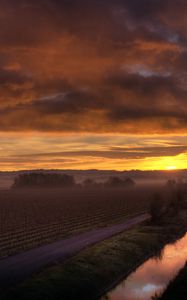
(93, 84)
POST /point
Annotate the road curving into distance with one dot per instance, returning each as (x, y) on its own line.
(15, 269)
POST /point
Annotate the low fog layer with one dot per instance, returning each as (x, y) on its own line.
(140, 177)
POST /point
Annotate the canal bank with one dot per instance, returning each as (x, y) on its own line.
(95, 269)
(152, 277)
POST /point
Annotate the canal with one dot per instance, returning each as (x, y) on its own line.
(152, 276)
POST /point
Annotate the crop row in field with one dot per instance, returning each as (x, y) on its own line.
(30, 218)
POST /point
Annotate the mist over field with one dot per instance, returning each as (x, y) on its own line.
(6, 181)
(99, 176)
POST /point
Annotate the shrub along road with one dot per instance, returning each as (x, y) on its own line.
(18, 267)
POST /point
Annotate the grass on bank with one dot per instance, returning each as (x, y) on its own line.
(87, 274)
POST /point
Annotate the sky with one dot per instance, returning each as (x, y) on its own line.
(93, 84)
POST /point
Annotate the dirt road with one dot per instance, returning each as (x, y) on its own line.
(18, 267)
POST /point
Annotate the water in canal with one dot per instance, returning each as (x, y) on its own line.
(153, 276)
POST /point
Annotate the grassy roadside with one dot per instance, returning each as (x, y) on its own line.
(95, 269)
(177, 289)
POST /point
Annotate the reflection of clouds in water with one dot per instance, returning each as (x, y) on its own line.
(153, 275)
(151, 288)
(134, 291)
(147, 290)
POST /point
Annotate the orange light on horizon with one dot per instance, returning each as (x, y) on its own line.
(171, 168)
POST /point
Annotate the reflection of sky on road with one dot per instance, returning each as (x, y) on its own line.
(153, 275)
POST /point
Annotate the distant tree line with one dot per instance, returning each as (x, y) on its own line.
(169, 202)
(35, 179)
(43, 180)
(111, 182)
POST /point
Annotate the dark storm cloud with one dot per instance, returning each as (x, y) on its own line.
(140, 100)
(54, 84)
(147, 84)
(33, 22)
(17, 85)
(8, 77)
(104, 66)
(23, 23)
(148, 96)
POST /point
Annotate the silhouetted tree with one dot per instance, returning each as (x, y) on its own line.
(88, 183)
(171, 183)
(129, 182)
(115, 181)
(177, 200)
(35, 179)
(156, 207)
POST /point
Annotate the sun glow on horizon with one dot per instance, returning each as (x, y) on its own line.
(168, 163)
(84, 152)
(171, 168)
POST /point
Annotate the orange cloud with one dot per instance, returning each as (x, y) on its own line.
(86, 67)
